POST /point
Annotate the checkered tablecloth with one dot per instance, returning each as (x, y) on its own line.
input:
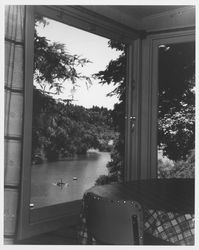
(172, 227)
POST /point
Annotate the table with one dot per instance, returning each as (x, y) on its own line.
(168, 206)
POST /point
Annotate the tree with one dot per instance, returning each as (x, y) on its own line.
(53, 65)
(178, 169)
(176, 109)
(64, 130)
(115, 73)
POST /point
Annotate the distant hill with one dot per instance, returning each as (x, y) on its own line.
(61, 130)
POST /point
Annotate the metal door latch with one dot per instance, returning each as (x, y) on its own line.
(132, 119)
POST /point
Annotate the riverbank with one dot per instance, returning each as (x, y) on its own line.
(42, 160)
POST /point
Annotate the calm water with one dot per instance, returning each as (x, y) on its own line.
(86, 169)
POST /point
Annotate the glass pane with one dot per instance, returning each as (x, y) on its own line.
(176, 111)
(78, 112)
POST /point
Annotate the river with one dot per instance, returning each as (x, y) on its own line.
(77, 175)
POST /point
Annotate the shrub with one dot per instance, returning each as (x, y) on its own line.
(180, 169)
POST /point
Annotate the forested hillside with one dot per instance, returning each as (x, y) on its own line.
(62, 129)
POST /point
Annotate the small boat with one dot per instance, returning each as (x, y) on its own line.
(31, 205)
(61, 183)
(58, 184)
(75, 178)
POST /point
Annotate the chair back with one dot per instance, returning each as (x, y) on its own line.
(114, 222)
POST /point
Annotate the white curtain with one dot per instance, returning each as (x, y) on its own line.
(14, 94)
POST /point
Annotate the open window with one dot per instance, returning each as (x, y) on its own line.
(56, 131)
(76, 109)
(139, 122)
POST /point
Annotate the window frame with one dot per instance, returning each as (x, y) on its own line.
(32, 222)
(149, 110)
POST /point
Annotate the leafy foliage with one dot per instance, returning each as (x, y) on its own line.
(53, 65)
(176, 111)
(63, 130)
(115, 73)
(179, 169)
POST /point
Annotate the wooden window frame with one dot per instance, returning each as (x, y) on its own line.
(149, 110)
(32, 222)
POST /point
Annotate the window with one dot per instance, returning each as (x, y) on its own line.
(48, 216)
(152, 48)
(78, 112)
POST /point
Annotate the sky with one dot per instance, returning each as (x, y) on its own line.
(90, 46)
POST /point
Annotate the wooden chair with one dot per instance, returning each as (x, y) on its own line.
(113, 222)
